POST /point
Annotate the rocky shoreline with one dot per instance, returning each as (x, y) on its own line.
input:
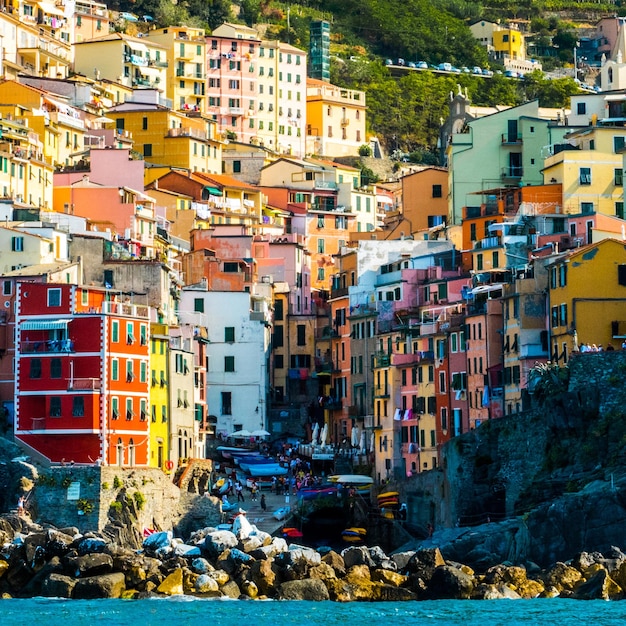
(245, 563)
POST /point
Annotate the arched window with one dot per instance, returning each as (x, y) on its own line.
(131, 453)
(120, 452)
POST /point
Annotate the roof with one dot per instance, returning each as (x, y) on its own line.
(122, 37)
(38, 269)
(286, 47)
(332, 164)
(224, 180)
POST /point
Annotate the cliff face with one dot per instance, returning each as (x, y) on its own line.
(554, 477)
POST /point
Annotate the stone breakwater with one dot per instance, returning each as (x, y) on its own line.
(247, 563)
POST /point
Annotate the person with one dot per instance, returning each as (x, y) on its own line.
(21, 502)
(624, 344)
(239, 490)
(253, 490)
(610, 348)
(263, 503)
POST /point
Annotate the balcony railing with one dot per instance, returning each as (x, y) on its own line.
(84, 384)
(381, 391)
(333, 405)
(514, 171)
(511, 138)
(487, 242)
(187, 132)
(61, 345)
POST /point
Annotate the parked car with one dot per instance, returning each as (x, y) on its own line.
(388, 62)
(465, 70)
(487, 73)
(411, 64)
(477, 70)
(400, 62)
(422, 65)
(456, 70)
(511, 74)
(445, 67)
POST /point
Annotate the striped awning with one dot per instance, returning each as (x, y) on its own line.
(44, 325)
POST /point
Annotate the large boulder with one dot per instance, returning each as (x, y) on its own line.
(58, 586)
(450, 583)
(388, 577)
(264, 575)
(89, 564)
(357, 555)
(495, 592)
(206, 585)
(380, 560)
(173, 584)
(423, 563)
(336, 562)
(562, 577)
(514, 577)
(105, 586)
(218, 541)
(599, 587)
(309, 589)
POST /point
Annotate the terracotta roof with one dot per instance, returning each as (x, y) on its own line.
(223, 179)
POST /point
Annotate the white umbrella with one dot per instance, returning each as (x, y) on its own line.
(241, 433)
(324, 435)
(316, 432)
(362, 445)
(260, 433)
(354, 437)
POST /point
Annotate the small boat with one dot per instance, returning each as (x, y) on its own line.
(354, 534)
(265, 469)
(281, 513)
(389, 499)
(351, 479)
(292, 533)
(309, 493)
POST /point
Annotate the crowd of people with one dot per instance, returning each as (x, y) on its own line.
(592, 347)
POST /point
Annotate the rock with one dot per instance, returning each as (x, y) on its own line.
(336, 562)
(599, 587)
(309, 589)
(450, 583)
(90, 564)
(220, 576)
(216, 542)
(35, 584)
(263, 573)
(19, 574)
(388, 577)
(323, 572)
(358, 574)
(357, 555)
(402, 558)
(391, 593)
(173, 584)
(299, 557)
(562, 576)
(182, 549)
(201, 566)
(155, 541)
(249, 588)
(207, 585)
(4, 566)
(276, 546)
(424, 562)
(231, 590)
(250, 544)
(105, 586)
(515, 578)
(495, 592)
(58, 586)
(242, 528)
(584, 560)
(90, 545)
(380, 560)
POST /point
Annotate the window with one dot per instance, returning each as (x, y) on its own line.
(129, 409)
(236, 167)
(621, 275)
(320, 273)
(563, 315)
(147, 149)
(115, 408)
(198, 305)
(115, 331)
(278, 336)
(619, 210)
(7, 287)
(55, 406)
(320, 246)
(54, 297)
(130, 376)
(130, 337)
(143, 335)
(55, 368)
(229, 334)
(35, 368)
(226, 403)
(495, 259)
(618, 143)
(229, 363)
(436, 191)
(143, 371)
(479, 261)
(585, 176)
(581, 108)
(586, 208)
(619, 177)
(17, 244)
(78, 406)
(301, 331)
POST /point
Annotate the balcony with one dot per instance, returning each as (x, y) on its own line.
(513, 172)
(487, 242)
(333, 404)
(511, 139)
(381, 360)
(155, 63)
(67, 120)
(135, 59)
(235, 111)
(345, 122)
(84, 384)
(187, 132)
(325, 184)
(36, 347)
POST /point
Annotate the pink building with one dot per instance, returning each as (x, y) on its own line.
(232, 84)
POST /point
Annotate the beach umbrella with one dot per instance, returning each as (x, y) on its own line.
(354, 437)
(315, 435)
(362, 445)
(260, 433)
(324, 435)
(238, 434)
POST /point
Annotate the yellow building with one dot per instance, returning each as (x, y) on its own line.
(587, 298)
(186, 70)
(592, 174)
(59, 126)
(167, 137)
(35, 39)
(508, 43)
(335, 119)
(159, 397)
(131, 61)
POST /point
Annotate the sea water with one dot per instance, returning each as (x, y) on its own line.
(183, 611)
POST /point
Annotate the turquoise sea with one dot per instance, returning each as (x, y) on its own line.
(190, 611)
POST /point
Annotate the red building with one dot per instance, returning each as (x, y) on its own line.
(81, 376)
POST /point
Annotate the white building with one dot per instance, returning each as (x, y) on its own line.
(238, 325)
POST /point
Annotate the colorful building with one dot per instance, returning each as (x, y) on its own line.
(81, 382)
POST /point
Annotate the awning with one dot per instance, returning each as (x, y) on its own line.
(44, 325)
(63, 107)
(50, 9)
(137, 46)
(214, 191)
